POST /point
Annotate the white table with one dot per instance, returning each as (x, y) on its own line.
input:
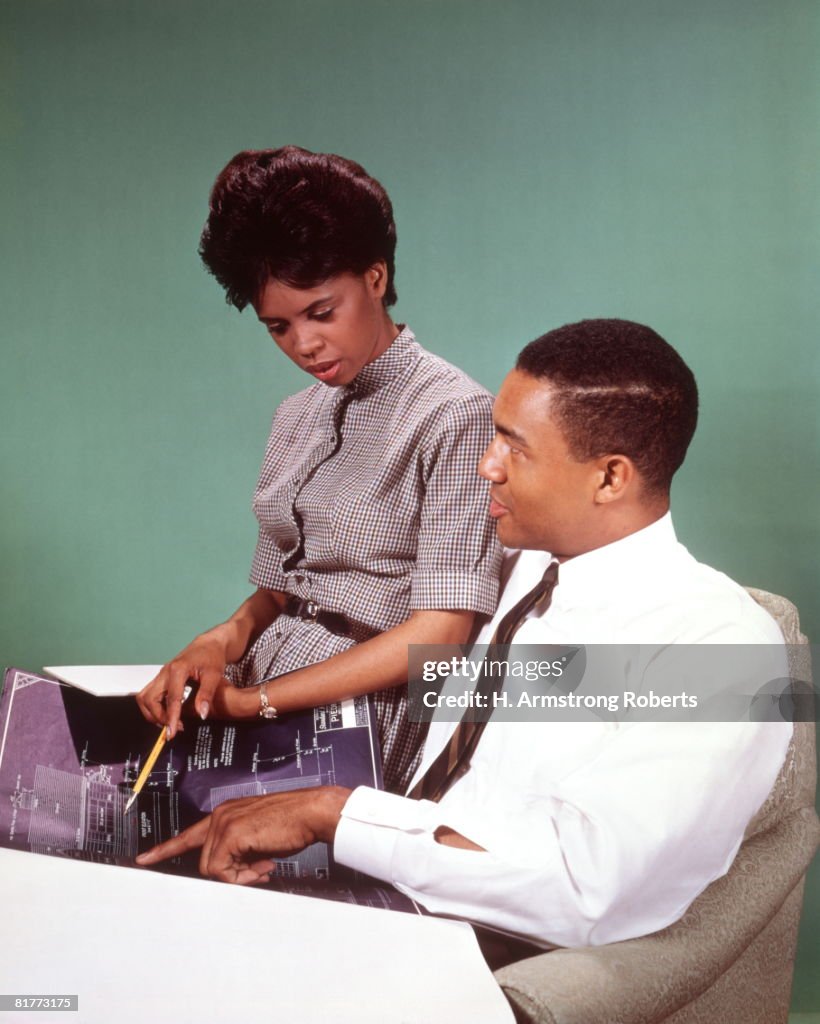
(139, 947)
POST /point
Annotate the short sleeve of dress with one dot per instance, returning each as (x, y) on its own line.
(459, 557)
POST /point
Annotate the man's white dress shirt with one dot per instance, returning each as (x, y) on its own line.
(594, 831)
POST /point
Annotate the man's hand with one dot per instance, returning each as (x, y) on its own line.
(241, 836)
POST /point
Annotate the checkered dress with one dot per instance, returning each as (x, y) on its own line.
(369, 504)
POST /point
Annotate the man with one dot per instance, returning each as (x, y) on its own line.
(561, 834)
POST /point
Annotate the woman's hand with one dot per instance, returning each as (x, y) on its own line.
(204, 660)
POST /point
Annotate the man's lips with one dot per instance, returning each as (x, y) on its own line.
(324, 371)
(496, 508)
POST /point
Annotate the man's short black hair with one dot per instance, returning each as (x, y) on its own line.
(298, 217)
(619, 389)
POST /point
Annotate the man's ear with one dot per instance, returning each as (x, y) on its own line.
(617, 475)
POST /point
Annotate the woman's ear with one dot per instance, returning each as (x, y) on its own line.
(376, 279)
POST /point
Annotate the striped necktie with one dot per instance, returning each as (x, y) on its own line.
(454, 760)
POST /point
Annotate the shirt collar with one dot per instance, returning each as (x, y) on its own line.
(395, 360)
(618, 566)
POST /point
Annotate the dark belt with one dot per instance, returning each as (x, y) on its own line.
(309, 611)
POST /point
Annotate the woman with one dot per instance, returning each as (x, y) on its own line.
(373, 526)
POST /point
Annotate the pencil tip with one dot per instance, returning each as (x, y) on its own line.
(131, 799)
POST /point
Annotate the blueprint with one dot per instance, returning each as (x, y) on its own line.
(68, 760)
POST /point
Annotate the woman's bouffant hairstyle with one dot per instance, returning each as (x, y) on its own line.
(298, 217)
(619, 388)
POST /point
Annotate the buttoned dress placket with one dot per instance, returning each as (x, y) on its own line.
(299, 579)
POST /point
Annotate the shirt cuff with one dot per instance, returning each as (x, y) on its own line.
(371, 824)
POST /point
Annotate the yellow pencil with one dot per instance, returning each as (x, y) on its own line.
(151, 760)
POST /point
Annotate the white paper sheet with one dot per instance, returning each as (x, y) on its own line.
(136, 946)
(106, 680)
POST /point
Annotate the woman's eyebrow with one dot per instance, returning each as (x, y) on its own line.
(308, 309)
(316, 302)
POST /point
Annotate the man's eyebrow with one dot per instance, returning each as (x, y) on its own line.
(510, 434)
(308, 309)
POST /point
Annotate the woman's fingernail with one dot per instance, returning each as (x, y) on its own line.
(167, 732)
(204, 708)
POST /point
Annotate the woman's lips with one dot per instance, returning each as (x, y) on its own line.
(324, 371)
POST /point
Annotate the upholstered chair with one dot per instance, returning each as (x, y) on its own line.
(730, 958)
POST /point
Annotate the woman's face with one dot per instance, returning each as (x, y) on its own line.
(333, 330)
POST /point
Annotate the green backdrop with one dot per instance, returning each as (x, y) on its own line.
(548, 161)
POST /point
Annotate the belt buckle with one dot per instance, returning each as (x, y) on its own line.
(311, 610)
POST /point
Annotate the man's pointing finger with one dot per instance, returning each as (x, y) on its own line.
(191, 839)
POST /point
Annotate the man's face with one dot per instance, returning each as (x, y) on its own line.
(541, 497)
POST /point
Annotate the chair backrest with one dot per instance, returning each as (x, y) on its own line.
(796, 784)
